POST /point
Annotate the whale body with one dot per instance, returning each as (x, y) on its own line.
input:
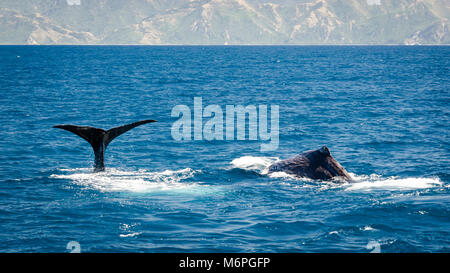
(100, 139)
(315, 164)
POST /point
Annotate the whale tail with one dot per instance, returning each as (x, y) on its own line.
(100, 139)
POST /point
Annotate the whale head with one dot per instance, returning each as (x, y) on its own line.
(323, 165)
(325, 151)
(331, 165)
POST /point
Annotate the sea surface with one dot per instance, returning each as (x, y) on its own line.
(383, 111)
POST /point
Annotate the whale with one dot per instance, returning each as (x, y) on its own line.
(315, 164)
(100, 138)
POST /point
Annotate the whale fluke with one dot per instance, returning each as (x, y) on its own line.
(99, 138)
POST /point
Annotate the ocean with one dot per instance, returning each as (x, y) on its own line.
(383, 111)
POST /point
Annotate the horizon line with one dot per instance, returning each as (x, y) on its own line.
(232, 45)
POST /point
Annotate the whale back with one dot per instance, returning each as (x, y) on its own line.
(314, 164)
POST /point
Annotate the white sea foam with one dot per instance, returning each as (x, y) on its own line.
(114, 180)
(360, 183)
(130, 234)
(376, 182)
(368, 228)
(285, 175)
(254, 163)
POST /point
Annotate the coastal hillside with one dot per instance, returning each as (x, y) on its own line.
(224, 22)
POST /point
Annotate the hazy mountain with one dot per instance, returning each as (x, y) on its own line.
(224, 22)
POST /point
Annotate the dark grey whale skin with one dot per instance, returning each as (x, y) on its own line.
(315, 164)
(99, 138)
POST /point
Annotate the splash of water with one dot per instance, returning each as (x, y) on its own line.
(254, 163)
(142, 181)
(377, 182)
(360, 183)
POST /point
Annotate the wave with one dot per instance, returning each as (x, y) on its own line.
(177, 181)
(360, 183)
(254, 163)
(142, 181)
(377, 182)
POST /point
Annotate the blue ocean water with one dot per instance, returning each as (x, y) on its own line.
(383, 112)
